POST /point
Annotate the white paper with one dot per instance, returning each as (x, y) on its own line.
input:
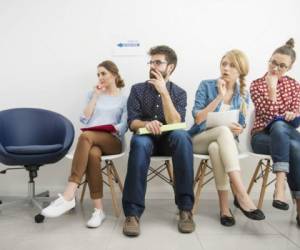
(215, 119)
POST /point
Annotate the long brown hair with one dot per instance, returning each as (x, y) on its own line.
(112, 68)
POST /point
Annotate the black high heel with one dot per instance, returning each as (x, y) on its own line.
(256, 214)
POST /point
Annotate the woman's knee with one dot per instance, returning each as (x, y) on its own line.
(84, 136)
(279, 126)
(225, 131)
(95, 153)
(213, 148)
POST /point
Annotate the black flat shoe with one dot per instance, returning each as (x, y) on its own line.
(280, 205)
(298, 220)
(256, 214)
(227, 221)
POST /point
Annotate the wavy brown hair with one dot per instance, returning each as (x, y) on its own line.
(112, 68)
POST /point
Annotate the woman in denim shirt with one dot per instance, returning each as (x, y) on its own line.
(217, 95)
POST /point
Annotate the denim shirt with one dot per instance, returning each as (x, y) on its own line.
(206, 93)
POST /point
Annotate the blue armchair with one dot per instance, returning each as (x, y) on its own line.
(31, 138)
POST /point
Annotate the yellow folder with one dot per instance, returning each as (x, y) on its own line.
(164, 128)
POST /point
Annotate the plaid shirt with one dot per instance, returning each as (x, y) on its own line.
(145, 104)
(288, 99)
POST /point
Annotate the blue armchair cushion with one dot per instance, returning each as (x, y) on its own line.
(34, 149)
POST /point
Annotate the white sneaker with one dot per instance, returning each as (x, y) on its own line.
(97, 218)
(58, 207)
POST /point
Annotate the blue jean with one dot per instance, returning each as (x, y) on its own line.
(177, 144)
(282, 142)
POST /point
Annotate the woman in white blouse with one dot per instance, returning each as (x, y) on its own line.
(105, 105)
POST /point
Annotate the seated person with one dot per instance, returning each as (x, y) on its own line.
(105, 105)
(222, 94)
(277, 95)
(150, 104)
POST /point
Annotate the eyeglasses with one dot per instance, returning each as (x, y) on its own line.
(157, 62)
(281, 66)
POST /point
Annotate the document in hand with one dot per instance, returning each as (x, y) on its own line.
(215, 119)
(164, 128)
(104, 128)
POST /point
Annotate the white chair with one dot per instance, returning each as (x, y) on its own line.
(109, 170)
(202, 177)
(166, 166)
(263, 167)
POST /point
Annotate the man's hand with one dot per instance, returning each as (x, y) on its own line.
(154, 127)
(159, 83)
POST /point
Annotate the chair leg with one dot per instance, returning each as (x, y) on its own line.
(170, 171)
(112, 189)
(264, 184)
(83, 191)
(254, 176)
(203, 167)
(197, 176)
(117, 177)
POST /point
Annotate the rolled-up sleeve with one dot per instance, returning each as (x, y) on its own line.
(134, 108)
(200, 99)
(122, 125)
(180, 104)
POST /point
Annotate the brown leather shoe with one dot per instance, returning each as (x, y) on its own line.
(131, 226)
(186, 223)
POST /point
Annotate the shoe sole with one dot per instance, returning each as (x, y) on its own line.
(131, 234)
(56, 216)
(185, 231)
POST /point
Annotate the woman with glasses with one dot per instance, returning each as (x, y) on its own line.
(105, 105)
(223, 94)
(276, 98)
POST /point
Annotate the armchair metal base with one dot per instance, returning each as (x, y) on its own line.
(32, 198)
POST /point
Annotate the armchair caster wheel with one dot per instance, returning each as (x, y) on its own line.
(39, 218)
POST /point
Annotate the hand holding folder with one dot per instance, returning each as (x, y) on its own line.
(163, 128)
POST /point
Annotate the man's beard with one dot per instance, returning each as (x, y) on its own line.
(152, 76)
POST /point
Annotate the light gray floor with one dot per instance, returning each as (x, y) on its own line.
(158, 230)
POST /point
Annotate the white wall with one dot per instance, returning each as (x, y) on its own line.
(49, 51)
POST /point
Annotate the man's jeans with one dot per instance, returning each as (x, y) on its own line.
(282, 142)
(176, 144)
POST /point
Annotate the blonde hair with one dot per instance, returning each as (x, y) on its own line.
(240, 61)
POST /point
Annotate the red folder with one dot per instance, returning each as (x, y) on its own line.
(104, 128)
